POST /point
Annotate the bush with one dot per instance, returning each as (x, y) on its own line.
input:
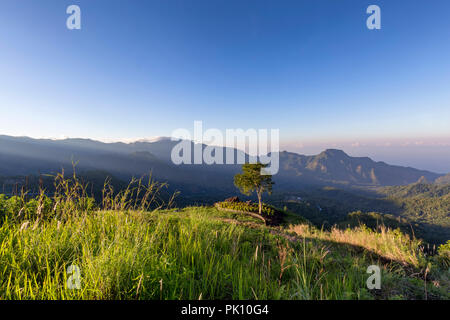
(444, 254)
(267, 210)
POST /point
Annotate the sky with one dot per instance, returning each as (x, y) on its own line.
(312, 69)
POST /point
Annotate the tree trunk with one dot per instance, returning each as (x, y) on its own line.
(259, 202)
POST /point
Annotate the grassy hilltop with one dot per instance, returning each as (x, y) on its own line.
(128, 249)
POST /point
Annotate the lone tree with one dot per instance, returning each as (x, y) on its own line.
(251, 180)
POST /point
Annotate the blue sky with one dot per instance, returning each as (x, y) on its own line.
(309, 68)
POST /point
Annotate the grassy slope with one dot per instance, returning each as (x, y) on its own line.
(202, 253)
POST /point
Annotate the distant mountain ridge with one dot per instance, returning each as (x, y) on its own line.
(21, 156)
(336, 166)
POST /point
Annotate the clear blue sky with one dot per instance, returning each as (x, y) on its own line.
(145, 68)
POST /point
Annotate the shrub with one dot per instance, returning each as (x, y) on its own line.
(267, 210)
(444, 254)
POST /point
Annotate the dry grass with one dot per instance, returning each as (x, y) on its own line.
(388, 243)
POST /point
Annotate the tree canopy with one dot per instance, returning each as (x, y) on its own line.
(251, 180)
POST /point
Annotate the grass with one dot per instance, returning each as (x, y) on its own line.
(127, 255)
(191, 254)
(130, 250)
(389, 244)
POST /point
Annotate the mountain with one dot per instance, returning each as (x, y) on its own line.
(335, 166)
(20, 156)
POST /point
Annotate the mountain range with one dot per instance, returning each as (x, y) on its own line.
(22, 156)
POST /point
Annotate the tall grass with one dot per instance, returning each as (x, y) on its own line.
(388, 243)
(159, 255)
(71, 197)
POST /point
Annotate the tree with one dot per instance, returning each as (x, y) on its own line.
(251, 180)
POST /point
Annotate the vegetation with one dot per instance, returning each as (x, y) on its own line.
(444, 255)
(387, 243)
(249, 207)
(374, 220)
(130, 245)
(252, 180)
(269, 214)
(422, 210)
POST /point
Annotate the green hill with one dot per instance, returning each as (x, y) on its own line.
(200, 252)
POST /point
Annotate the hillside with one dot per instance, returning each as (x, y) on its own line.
(203, 253)
(422, 209)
